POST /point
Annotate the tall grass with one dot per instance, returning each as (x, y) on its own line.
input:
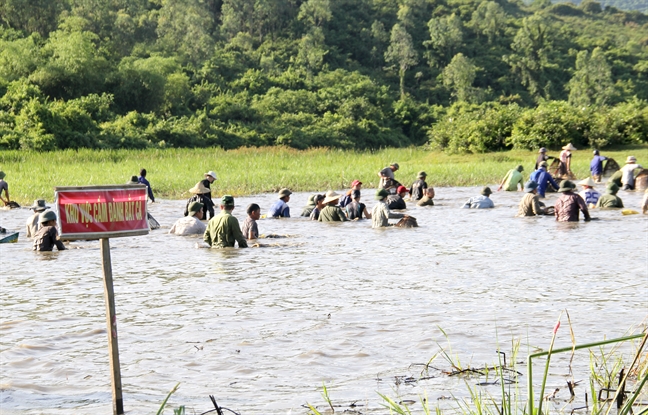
(172, 172)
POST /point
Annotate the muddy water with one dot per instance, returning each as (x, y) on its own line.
(340, 304)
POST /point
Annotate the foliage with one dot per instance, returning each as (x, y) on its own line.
(359, 74)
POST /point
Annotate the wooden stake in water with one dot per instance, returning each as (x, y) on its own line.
(111, 320)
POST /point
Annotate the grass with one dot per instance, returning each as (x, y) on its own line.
(245, 171)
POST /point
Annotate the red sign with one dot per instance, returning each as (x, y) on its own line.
(94, 212)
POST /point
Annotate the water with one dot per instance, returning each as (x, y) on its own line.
(337, 304)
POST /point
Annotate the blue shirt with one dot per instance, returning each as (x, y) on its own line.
(148, 187)
(279, 209)
(543, 179)
(479, 202)
(596, 166)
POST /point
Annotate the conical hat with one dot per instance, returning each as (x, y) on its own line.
(587, 182)
(569, 147)
(199, 189)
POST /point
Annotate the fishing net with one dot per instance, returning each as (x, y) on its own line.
(611, 166)
(407, 222)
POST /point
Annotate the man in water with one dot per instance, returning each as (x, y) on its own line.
(589, 194)
(223, 230)
(512, 179)
(543, 178)
(387, 175)
(542, 156)
(280, 208)
(250, 228)
(569, 203)
(480, 202)
(310, 205)
(38, 207)
(142, 179)
(397, 201)
(47, 236)
(417, 190)
(319, 206)
(4, 187)
(210, 177)
(628, 178)
(380, 214)
(356, 210)
(428, 198)
(192, 223)
(346, 199)
(596, 166)
(610, 199)
(331, 212)
(530, 204)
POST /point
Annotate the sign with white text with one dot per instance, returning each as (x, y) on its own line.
(95, 212)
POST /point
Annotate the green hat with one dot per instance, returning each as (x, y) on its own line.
(566, 186)
(612, 188)
(284, 193)
(227, 200)
(381, 194)
(530, 186)
(422, 174)
(39, 205)
(194, 207)
(520, 168)
(395, 165)
(46, 216)
(2, 174)
(311, 200)
(486, 191)
(543, 164)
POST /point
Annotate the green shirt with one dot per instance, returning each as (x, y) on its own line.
(332, 214)
(609, 201)
(511, 180)
(223, 230)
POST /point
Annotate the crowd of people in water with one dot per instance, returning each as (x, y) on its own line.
(221, 229)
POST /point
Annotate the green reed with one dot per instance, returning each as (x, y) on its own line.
(245, 171)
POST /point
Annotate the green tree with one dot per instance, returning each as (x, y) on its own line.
(459, 76)
(312, 50)
(489, 20)
(446, 34)
(31, 16)
(184, 28)
(401, 52)
(592, 80)
(315, 12)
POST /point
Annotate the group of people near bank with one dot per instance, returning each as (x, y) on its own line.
(223, 229)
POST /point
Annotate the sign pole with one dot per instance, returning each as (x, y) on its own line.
(111, 320)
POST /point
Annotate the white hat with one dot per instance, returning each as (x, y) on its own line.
(331, 196)
(587, 182)
(569, 147)
(631, 159)
(212, 174)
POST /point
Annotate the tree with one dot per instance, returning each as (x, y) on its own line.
(592, 80)
(489, 19)
(312, 50)
(31, 15)
(401, 52)
(184, 28)
(315, 12)
(446, 34)
(529, 59)
(459, 76)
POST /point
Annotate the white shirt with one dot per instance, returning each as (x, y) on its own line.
(189, 225)
(628, 177)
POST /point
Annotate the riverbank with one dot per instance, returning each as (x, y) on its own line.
(246, 171)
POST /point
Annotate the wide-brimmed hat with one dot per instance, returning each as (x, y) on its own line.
(227, 200)
(543, 164)
(194, 207)
(46, 216)
(587, 182)
(530, 186)
(284, 192)
(566, 186)
(401, 189)
(486, 191)
(612, 188)
(395, 165)
(211, 174)
(542, 150)
(311, 200)
(421, 174)
(569, 147)
(331, 196)
(199, 189)
(2, 175)
(356, 183)
(133, 180)
(39, 205)
(520, 168)
(381, 194)
(631, 159)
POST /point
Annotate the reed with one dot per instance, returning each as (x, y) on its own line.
(245, 171)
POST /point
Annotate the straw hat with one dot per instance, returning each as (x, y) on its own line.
(631, 159)
(46, 216)
(39, 205)
(530, 186)
(211, 174)
(569, 147)
(331, 196)
(566, 186)
(587, 182)
(199, 189)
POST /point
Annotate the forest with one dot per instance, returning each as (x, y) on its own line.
(454, 75)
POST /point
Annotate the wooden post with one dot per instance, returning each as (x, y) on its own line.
(111, 320)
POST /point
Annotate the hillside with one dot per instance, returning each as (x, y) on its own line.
(336, 73)
(625, 5)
